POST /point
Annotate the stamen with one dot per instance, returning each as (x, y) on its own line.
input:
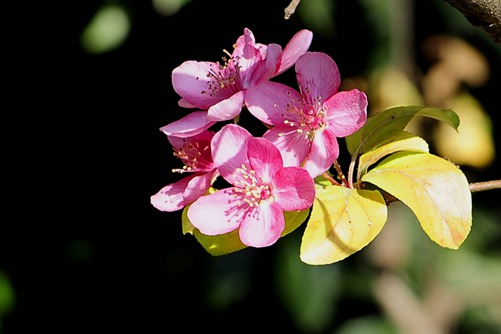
(193, 156)
(304, 118)
(247, 194)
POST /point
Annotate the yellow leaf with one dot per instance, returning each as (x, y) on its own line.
(403, 141)
(433, 188)
(342, 222)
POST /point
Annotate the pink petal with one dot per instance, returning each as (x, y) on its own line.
(250, 55)
(268, 102)
(198, 186)
(203, 138)
(347, 112)
(263, 226)
(188, 126)
(229, 150)
(170, 198)
(296, 47)
(294, 147)
(190, 81)
(211, 214)
(317, 75)
(185, 104)
(246, 39)
(264, 158)
(226, 109)
(293, 189)
(324, 150)
(268, 68)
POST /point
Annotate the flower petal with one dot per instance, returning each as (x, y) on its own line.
(293, 189)
(229, 150)
(226, 109)
(203, 139)
(211, 214)
(324, 150)
(170, 198)
(317, 75)
(264, 158)
(188, 126)
(190, 81)
(296, 47)
(347, 112)
(268, 102)
(267, 69)
(294, 147)
(198, 186)
(263, 226)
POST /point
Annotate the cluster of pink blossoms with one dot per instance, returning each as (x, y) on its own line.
(270, 174)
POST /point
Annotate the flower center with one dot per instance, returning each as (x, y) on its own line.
(194, 157)
(224, 79)
(248, 193)
(305, 118)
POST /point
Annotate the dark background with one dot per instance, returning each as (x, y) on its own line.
(82, 246)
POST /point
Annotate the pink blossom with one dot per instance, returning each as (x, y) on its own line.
(219, 88)
(195, 153)
(306, 124)
(262, 189)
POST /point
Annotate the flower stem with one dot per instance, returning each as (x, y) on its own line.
(341, 176)
(329, 177)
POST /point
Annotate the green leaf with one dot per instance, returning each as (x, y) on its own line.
(107, 30)
(433, 188)
(342, 222)
(230, 242)
(402, 141)
(7, 295)
(386, 125)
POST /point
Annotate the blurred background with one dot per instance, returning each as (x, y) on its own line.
(81, 247)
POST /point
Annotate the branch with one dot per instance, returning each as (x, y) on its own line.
(486, 185)
(485, 14)
(291, 8)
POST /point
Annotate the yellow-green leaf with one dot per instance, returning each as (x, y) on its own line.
(230, 242)
(380, 127)
(402, 141)
(293, 219)
(433, 188)
(342, 222)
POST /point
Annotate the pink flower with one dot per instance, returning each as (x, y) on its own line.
(196, 155)
(306, 124)
(262, 189)
(219, 89)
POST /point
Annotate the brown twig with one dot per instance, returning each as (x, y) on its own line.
(291, 8)
(485, 185)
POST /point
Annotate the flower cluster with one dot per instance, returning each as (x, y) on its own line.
(269, 174)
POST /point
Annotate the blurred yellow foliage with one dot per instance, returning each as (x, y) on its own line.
(474, 144)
